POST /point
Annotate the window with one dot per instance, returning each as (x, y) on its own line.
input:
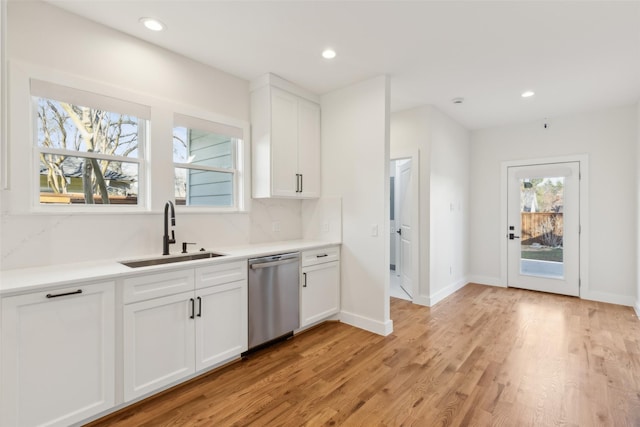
(89, 147)
(207, 160)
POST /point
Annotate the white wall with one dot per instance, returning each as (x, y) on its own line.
(44, 37)
(637, 307)
(355, 136)
(449, 206)
(444, 196)
(3, 91)
(609, 138)
(410, 131)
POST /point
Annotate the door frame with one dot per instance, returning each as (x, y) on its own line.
(583, 160)
(414, 156)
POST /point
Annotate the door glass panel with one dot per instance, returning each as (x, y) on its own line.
(541, 232)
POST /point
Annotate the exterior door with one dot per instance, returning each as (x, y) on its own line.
(544, 227)
(405, 229)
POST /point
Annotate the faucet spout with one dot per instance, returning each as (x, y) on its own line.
(166, 241)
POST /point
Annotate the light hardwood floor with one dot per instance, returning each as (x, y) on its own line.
(484, 356)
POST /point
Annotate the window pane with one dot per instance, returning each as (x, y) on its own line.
(542, 226)
(73, 127)
(202, 148)
(203, 188)
(68, 179)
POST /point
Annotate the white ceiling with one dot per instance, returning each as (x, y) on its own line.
(576, 56)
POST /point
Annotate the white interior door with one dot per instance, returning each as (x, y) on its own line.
(403, 177)
(543, 233)
(394, 236)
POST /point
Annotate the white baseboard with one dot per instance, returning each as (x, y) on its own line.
(487, 280)
(637, 307)
(366, 323)
(608, 298)
(421, 300)
(448, 290)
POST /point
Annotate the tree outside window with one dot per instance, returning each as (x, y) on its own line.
(87, 155)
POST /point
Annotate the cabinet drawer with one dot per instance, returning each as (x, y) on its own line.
(221, 273)
(158, 285)
(320, 256)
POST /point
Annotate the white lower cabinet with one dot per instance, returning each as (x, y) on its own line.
(320, 288)
(58, 350)
(171, 337)
(221, 323)
(159, 342)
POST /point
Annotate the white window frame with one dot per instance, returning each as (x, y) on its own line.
(241, 179)
(45, 89)
(21, 165)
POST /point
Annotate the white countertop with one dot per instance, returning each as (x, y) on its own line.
(18, 281)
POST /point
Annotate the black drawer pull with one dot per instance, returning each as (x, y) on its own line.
(193, 308)
(305, 280)
(199, 307)
(322, 256)
(79, 291)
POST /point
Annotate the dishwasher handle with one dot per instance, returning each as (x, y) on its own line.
(273, 263)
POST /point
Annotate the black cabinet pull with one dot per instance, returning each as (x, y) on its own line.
(301, 183)
(199, 307)
(304, 284)
(79, 291)
(322, 256)
(193, 308)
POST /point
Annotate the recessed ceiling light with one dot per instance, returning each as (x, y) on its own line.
(328, 54)
(152, 24)
(458, 100)
(528, 94)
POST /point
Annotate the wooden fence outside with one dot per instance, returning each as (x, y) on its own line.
(78, 198)
(545, 228)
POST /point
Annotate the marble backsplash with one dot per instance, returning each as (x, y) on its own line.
(37, 240)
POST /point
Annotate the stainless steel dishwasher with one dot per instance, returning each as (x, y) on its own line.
(274, 302)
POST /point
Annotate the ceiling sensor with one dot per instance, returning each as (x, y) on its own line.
(457, 100)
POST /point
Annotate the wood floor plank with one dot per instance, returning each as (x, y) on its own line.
(485, 356)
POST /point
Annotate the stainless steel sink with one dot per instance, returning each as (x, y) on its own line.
(169, 259)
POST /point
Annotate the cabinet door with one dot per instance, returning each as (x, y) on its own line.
(58, 355)
(309, 147)
(284, 143)
(159, 343)
(221, 323)
(320, 295)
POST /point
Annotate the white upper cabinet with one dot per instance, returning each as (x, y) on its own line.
(284, 144)
(285, 141)
(309, 148)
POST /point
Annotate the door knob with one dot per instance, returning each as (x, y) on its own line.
(513, 236)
